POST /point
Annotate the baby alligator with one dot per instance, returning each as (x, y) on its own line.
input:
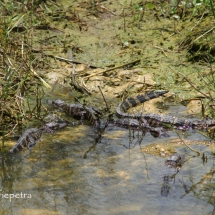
(28, 139)
(77, 110)
(160, 119)
(134, 124)
(90, 114)
(174, 161)
(31, 135)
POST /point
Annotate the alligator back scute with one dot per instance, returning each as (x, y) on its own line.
(28, 139)
(166, 120)
(127, 123)
(133, 102)
(75, 110)
(82, 111)
(156, 120)
(91, 116)
(78, 110)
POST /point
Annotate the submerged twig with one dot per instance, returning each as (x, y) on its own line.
(198, 152)
(98, 139)
(107, 107)
(146, 163)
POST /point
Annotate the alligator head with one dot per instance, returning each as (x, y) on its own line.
(57, 103)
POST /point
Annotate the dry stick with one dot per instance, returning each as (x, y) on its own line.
(17, 103)
(103, 7)
(76, 85)
(203, 34)
(94, 67)
(107, 108)
(191, 84)
(157, 47)
(84, 85)
(117, 67)
(55, 85)
(124, 20)
(202, 78)
(198, 21)
(73, 73)
(9, 131)
(36, 74)
(71, 61)
(63, 59)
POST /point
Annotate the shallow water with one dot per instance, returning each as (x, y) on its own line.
(54, 178)
(112, 179)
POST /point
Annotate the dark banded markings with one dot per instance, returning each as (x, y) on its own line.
(73, 109)
(130, 102)
(78, 110)
(133, 102)
(128, 123)
(28, 139)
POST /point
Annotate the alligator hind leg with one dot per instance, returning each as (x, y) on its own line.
(32, 142)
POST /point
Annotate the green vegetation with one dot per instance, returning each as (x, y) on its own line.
(21, 90)
(26, 30)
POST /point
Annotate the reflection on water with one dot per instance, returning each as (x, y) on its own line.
(111, 180)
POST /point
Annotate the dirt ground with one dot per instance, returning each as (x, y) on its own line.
(141, 45)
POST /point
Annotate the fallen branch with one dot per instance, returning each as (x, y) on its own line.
(64, 59)
(43, 81)
(108, 70)
(192, 85)
(203, 34)
(71, 61)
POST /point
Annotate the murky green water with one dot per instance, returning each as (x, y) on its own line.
(54, 178)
